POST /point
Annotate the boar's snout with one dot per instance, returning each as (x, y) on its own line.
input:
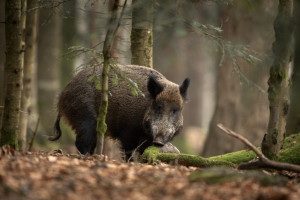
(159, 140)
(163, 137)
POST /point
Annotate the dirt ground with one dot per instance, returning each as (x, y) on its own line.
(55, 175)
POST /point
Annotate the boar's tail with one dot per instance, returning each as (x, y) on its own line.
(56, 130)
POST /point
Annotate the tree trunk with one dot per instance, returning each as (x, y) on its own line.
(2, 57)
(29, 70)
(49, 46)
(23, 113)
(114, 24)
(69, 36)
(278, 81)
(142, 33)
(293, 120)
(239, 107)
(14, 72)
(121, 47)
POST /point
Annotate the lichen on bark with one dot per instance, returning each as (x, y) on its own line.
(278, 81)
(142, 33)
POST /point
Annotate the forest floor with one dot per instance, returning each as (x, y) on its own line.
(55, 175)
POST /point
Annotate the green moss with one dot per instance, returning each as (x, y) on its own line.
(291, 150)
(289, 154)
(9, 137)
(214, 175)
(236, 157)
(101, 125)
(282, 73)
(291, 141)
(150, 39)
(151, 155)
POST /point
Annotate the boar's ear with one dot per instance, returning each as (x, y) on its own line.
(154, 87)
(183, 88)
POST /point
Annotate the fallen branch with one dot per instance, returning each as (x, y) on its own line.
(33, 135)
(262, 162)
(134, 151)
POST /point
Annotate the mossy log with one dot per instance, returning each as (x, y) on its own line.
(289, 153)
(152, 155)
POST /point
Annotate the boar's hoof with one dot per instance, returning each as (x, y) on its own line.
(169, 148)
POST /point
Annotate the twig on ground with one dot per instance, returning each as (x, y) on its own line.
(262, 162)
(134, 151)
(33, 135)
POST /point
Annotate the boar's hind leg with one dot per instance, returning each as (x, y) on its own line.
(86, 136)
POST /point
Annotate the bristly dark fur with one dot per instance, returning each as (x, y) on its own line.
(80, 100)
(154, 87)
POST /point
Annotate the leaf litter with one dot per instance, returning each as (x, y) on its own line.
(57, 175)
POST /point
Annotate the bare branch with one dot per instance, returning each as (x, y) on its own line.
(241, 138)
(134, 151)
(262, 162)
(33, 135)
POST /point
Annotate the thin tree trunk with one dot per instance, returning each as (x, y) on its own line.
(278, 81)
(49, 52)
(69, 37)
(142, 33)
(2, 58)
(114, 24)
(23, 111)
(121, 47)
(293, 120)
(29, 61)
(82, 31)
(14, 72)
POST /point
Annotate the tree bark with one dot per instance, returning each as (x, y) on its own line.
(49, 52)
(293, 120)
(14, 72)
(278, 81)
(29, 70)
(114, 24)
(69, 37)
(238, 106)
(2, 58)
(142, 33)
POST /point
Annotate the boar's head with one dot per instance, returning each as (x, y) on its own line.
(163, 119)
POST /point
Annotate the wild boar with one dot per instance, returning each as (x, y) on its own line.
(133, 120)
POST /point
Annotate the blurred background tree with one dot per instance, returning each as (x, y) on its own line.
(2, 55)
(293, 120)
(240, 106)
(48, 62)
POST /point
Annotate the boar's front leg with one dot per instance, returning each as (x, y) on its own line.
(169, 148)
(86, 136)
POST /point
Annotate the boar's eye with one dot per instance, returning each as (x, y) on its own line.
(158, 107)
(175, 111)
